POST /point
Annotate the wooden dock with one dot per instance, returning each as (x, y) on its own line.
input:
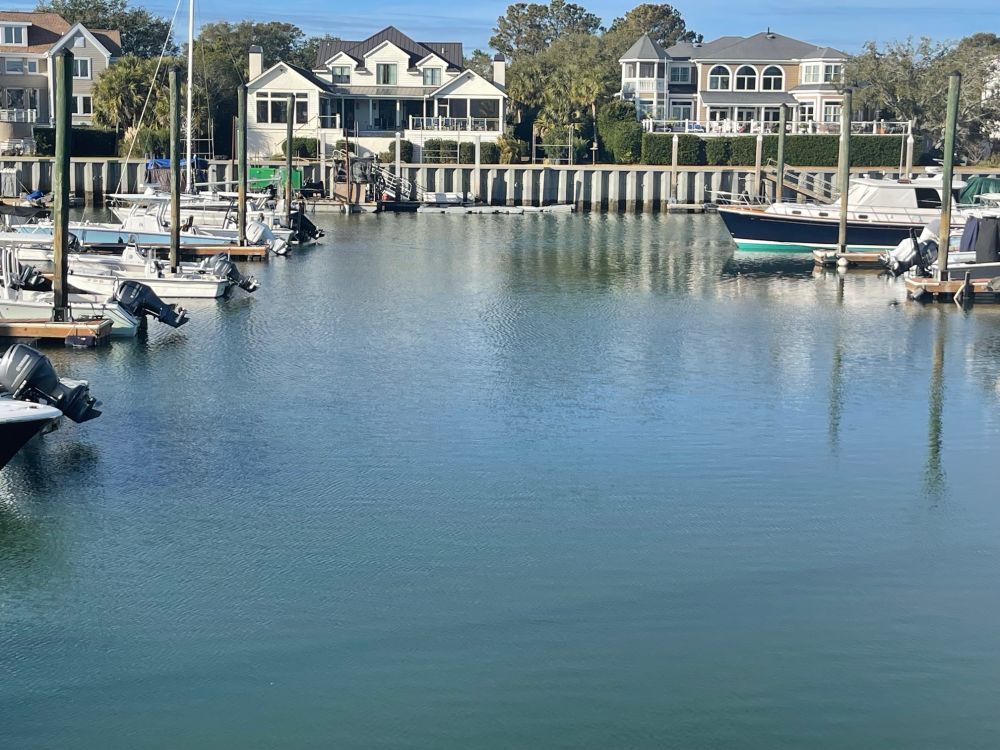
(942, 291)
(831, 258)
(86, 333)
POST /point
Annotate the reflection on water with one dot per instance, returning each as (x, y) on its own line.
(504, 481)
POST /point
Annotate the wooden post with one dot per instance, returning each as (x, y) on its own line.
(674, 156)
(288, 160)
(175, 167)
(758, 160)
(63, 63)
(399, 164)
(954, 87)
(844, 166)
(779, 189)
(241, 140)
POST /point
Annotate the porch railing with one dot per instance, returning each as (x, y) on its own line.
(478, 124)
(765, 127)
(329, 122)
(18, 115)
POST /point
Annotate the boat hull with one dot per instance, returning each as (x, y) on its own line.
(40, 309)
(19, 422)
(97, 235)
(759, 231)
(165, 288)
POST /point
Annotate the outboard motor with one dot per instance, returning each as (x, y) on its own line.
(259, 233)
(913, 252)
(27, 278)
(139, 299)
(28, 375)
(302, 227)
(224, 268)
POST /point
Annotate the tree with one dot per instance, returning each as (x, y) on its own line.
(662, 22)
(143, 34)
(528, 29)
(305, 56)
(480, 62)
(909, 81)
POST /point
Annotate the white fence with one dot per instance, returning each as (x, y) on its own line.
(480, 124)
(766, 127)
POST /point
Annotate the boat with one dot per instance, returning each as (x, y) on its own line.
(24, 298)
(880, 214)
(33, 397)
(973, 251)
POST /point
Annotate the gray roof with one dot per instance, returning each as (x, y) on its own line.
(451, 52)
(766, 45)
(747, 97)
(645, 49)
(310, 76)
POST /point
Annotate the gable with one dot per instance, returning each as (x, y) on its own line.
(470, 84)
(67, 39)
(286, 78)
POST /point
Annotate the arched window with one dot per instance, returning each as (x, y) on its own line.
(772, 79)
(718, 78)
(746, 79)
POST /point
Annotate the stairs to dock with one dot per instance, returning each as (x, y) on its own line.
(813, 186)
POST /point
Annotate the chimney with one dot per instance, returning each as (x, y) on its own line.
(499, 70)
(256, 61)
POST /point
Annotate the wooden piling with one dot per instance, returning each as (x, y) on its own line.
(779, 187)
(241, 145)
(954, 88)
(63, 62)
(175, 167)
(288, 160)
(844, 166)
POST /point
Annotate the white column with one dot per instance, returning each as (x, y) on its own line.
(371, 113)
(398, 123)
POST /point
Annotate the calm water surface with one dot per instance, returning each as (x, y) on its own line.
(512, 482)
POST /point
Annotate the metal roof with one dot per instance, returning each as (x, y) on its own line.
(747, 97)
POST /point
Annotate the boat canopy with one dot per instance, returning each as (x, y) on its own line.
(924, 192)
(979, 185)
(199, 163)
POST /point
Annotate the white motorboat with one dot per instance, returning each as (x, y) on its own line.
(33, 396)
(105, 280)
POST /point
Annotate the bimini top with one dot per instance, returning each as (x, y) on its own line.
(924, 192)
(199, 163)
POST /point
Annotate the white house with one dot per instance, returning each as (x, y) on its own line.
(372, 89)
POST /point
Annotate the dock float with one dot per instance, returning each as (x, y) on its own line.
(79, 333)
(831, 258)
(930, 289)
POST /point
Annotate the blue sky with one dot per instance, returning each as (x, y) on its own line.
(846, 25)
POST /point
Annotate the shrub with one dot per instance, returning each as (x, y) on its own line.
(405, 152)
(152, 141)
(657, 148)
(511, 150)
(84, 142)
(620, 132)
(467, 153)
(302, 148)
(800, 150)
(718, 151)
(339, 146)
(439, 151)
(489, 153)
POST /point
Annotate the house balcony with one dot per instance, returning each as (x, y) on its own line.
(18, 115)
(473, 124)
(643, 86)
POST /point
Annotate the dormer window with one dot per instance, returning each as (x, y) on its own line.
(832, 73)
(432, 76)
(14, 35)
(810, 73)
(385, 74)
(341, 73)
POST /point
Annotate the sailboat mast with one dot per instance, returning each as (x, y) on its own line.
(190, 94)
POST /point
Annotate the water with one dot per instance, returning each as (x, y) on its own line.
(494, 482)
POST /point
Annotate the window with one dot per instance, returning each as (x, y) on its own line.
(301, 111)
(647, 70)
(831, 112)
(630, 70)
(262, 108)
(810, 73)
(81, 105)
(13, 98)
(806, 112)
(279, 110)
(31, 66)
(772, 79)
(272, 107)
(341, 73)
(432, 76)
(680, 74)
(680, 111)
(79, 41)
(13, 65)
(81, 67)
(13, 35)
(832, 73)
(385, 74)
(746, 79)
(718, 78)
(928, 198)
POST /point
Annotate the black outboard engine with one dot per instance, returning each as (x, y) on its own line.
(28, 375)
(303, 228)
(139, 299)
(28, 278)
(224, 268)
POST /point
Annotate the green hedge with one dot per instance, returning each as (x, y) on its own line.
(302, 148)
(405, 152)
(800, 150)
(85, 142)
(619, 132)
(439, 151)
(489, 153)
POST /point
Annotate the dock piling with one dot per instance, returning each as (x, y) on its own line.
(175, 167)
(241, 145)
(954, 88)
(288, 160)
(844, 166)
(63, 63)
(779, 187)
